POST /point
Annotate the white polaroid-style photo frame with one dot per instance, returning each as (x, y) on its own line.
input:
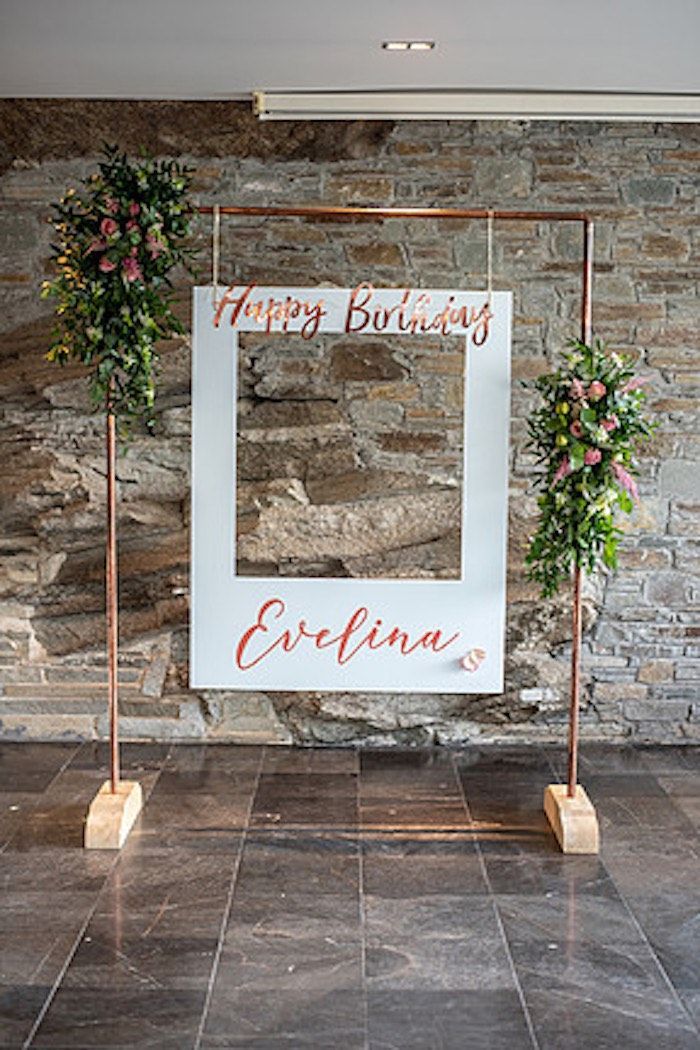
(388, 635)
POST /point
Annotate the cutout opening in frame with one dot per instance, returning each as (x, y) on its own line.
(350, 456)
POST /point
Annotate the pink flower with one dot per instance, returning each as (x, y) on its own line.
(106, 265)
(563, 470)
(134, 208)
(626, 480)
(131, 269)
(577, 391)
(634, 384)
(154, 246)
(108, 227)
(576, 429)
(610, 424)
(96, 245)
(597, 390)
(132, 225)
(592, 456)
(112, 205)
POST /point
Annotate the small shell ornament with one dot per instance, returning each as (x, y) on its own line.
(473, 660)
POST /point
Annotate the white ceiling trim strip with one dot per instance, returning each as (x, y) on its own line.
(474, 105)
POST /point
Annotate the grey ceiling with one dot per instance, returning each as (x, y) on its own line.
(225, 48)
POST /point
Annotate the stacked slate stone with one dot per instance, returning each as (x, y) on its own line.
(350, 450)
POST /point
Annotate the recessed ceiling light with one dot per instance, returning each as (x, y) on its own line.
(408, 45)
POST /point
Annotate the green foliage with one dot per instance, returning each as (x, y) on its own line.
(584, 434)
(119, 238)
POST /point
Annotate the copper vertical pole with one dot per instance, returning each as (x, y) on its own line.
(587, 296)
(586, 334)
(575, 683)
(112, 608)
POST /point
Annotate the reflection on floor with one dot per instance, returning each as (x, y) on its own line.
(340, 899)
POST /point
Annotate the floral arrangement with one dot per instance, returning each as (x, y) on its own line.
(119, 238)
(584, 434)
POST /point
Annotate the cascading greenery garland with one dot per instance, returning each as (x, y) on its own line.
(584, 434)
(119, 238)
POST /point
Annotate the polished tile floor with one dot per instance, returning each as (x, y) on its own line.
(387, 900)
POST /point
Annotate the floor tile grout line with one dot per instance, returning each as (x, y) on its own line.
(555, 772)
(53, 991)
(227, 909)
(497, 915)
(623, 899)
(64, 969)
(361, 900)
(692, 828)
(659, 965)
(636, 923)
(642, 932)
(40, 794)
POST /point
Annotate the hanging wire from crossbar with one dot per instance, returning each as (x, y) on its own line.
(215, 252)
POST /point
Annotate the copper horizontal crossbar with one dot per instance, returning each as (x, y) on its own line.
(350, 212)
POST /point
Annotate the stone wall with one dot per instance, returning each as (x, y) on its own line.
(329, 432)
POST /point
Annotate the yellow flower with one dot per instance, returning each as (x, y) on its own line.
(57, 352)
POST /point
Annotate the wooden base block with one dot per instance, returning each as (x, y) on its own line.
(111, 815)
(573, 820)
